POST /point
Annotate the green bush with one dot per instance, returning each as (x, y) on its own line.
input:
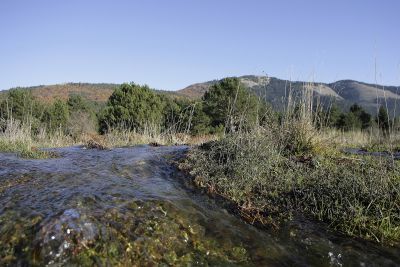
(230, 105)
(56, 116)
(382, 120)
(82, 117)
(133, 107)
(356, 118)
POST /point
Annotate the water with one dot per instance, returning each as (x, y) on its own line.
(130, 206)
(382, 154)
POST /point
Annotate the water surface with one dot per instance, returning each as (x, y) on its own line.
(130, 206)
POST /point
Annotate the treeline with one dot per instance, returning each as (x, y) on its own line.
(137, 108)
(227, 107)
(356, 118)
(72, 117)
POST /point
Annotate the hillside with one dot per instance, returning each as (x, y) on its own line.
(94, 92)
(97, 92)
(344, 93)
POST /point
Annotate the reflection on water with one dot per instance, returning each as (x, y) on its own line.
(129, 206)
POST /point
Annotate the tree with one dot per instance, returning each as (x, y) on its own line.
(356, 118)
(77, 103)
(356, 109)
(82, 117)
(200, 123)
(349, 121)
(228, 104)
(133, 107)
(383, 120)
(333, 115)
(56, 116)
(173, 118)
(19, 104)
(365, 118)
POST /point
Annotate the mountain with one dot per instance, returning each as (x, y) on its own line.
(197, 90)
(344, 93)
(97, 92)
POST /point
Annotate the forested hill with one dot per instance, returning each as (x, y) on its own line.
(97, 92)
(344, 93)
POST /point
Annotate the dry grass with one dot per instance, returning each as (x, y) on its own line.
(118, 138)
(19, 138)
(369, 140)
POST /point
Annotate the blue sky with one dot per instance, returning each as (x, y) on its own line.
(171, 44)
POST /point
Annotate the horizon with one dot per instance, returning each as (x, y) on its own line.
(153, 88)
(172, 45)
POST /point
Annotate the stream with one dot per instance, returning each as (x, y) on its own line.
(131, 207)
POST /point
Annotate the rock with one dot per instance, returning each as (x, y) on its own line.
(91, 144)
(155, 144)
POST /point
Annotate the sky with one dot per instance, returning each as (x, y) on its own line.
(172, 44)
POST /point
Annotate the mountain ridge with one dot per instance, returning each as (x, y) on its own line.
(343, 92)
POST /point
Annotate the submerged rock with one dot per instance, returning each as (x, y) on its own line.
(64, 236)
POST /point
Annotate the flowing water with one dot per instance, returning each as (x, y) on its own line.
(381, 154)
(131, 207)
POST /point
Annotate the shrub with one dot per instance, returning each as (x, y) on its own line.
(56, 116)
(382, 120)
(134, 107)
(230, 105)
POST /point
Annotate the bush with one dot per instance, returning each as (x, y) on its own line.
(383, 121)
(133, 107)
(82, 118)
(230, 105)
(56, 116)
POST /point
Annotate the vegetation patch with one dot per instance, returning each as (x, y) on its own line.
(356, 195)
(26, 151)
(136, 234)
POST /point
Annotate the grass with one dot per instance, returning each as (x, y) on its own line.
(24, 150)
(356, 195)
(19, 138)
(281, 169)
(118, 138)
(369, 140)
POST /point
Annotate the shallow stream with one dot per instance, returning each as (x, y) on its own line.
(132, 207)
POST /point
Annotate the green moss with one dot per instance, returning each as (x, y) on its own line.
(137, 233)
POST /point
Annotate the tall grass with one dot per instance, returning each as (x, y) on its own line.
(280, 169)
(19, 137)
